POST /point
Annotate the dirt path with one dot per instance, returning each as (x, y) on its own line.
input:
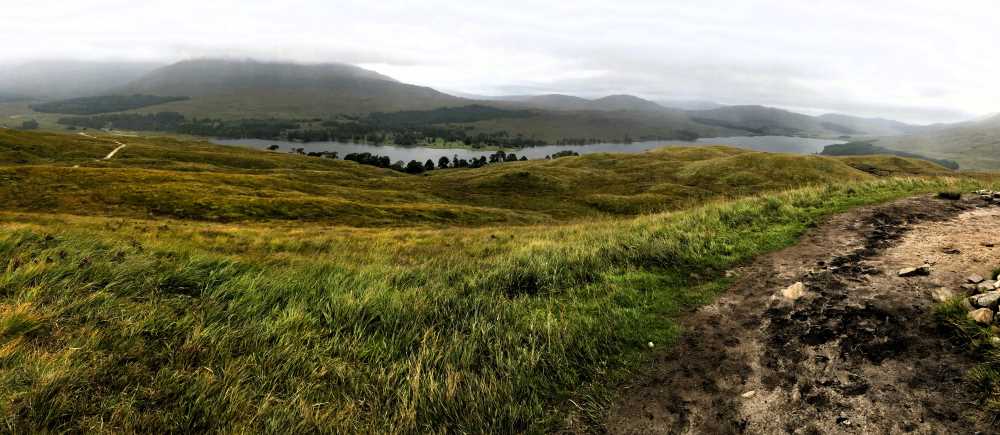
(859, 353)
(113, 152)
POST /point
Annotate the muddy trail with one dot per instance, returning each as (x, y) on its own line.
(859, 352)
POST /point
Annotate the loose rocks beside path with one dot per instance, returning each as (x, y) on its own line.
(836, 334)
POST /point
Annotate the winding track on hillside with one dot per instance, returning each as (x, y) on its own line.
(113, 152)
(859, 353)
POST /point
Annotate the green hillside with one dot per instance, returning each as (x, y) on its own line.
(247, 89)
(974, 145)
(188, 287)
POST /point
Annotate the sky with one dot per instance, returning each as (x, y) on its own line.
(917, 61)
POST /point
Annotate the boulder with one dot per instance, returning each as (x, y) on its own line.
(983, 316)
(985, 300)
(942, 294)
(915, 271)
(975, 279)
(794, 291)
(986, 286)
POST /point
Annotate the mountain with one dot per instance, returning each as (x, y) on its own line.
(769, 121)
(625, 102)
(248, 88)
(610, 103)
(690, 104)
(873, 126)
(44, 80)
(974, 145)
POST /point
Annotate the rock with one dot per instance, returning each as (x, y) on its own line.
(650, 344)
(971, 288)
(975, 279)
(985, 300)
(748, 394)
(982, 316)
(988, 244)
(942, 294)
(915, 271)
(995, 341)
(794, 291)
(986, 286)
(967, 305)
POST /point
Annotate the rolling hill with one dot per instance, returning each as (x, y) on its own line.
(245, 89)
(769, 121)
(184, 286)
(873, 126)
(974, 145)
(562, 102)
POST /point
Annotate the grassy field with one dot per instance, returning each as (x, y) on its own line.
(144, 294)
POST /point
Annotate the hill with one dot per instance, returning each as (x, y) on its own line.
(167, 177)
(769, 121)
(572, 103)
(188, 287)
(873, 126)
(866, 148)
(250, 89)
(974, 145)
(48, 80)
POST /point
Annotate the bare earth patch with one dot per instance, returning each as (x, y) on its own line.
(856, 352)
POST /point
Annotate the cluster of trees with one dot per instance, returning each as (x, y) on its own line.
(415, 167)
(30, 124)
(177, 123)
(400, 128)
(102, 104)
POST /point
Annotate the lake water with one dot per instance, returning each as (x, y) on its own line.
(778, 144)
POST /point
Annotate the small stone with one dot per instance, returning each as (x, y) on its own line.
(844, 421)
(942, 294)
(970, 287)
(650, 344)
(794, 291)
(967, 305)
(975, 279)
(748, 394)
(915, 271)
(982, 316)
(985, 300)
(995, 341)
(988, 244)
(986, 286)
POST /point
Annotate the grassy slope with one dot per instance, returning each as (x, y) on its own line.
(974, 146)
(176, 178)
(154, 325)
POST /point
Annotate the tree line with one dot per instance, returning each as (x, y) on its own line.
(415, 167)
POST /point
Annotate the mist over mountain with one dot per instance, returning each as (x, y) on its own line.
(56, 79)
(234, 88)
(770, 121)
(974, 145)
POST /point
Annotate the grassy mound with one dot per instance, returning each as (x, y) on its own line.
(124, 307)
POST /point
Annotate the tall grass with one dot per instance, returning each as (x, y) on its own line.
(172, 326)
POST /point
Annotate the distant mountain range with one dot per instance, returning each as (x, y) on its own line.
(236, 89)
(974, 145)
(69, 79)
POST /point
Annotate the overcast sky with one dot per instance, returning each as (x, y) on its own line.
(920, 61)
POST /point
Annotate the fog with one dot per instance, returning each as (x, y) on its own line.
(914, 61)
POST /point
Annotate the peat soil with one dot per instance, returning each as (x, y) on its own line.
(859, 353)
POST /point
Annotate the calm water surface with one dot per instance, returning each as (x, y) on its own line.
(779, 144)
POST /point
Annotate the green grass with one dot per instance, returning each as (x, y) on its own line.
(523, 314)
(177, 178)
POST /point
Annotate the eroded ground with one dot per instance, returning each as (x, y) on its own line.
(858, 353)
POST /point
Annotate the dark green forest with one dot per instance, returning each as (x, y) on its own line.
(102, 104)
